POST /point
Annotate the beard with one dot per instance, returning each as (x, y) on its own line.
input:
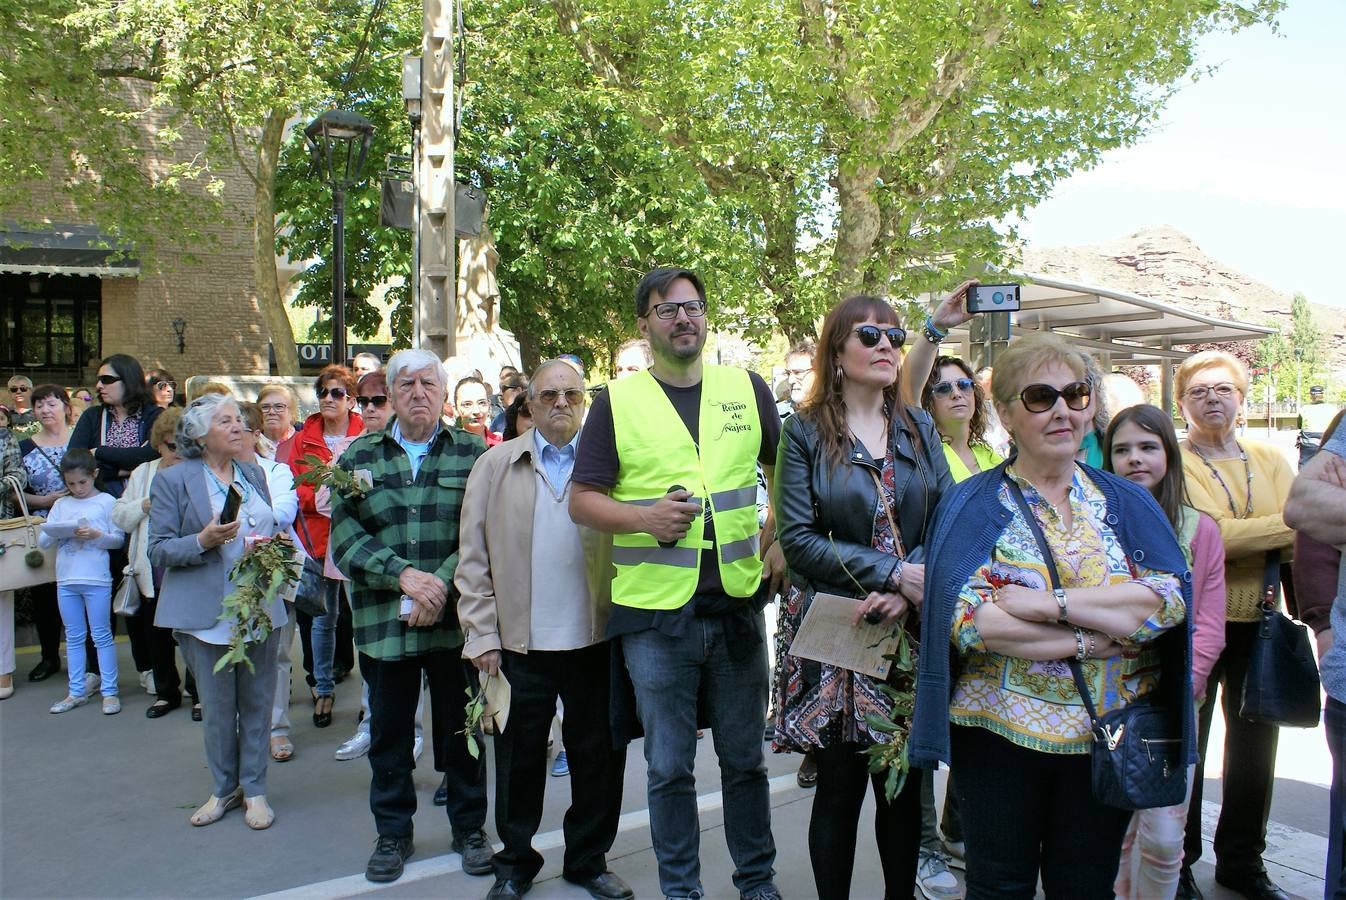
(665, 346)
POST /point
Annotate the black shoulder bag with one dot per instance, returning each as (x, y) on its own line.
(1137, 750)
(1282, 686)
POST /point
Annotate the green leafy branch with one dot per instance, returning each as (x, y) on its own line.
(259, 575)
(331, 476)
(900, 689)
(474, 713)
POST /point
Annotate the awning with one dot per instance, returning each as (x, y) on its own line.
(63, 249)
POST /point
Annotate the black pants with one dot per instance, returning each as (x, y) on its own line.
(1249, 765)
(580, 678)
(47, 618)
(951, 822)
(843, 780)
(1027, 813)
(163, 651)
(394, 689)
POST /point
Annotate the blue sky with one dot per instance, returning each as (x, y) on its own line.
(1249, 162)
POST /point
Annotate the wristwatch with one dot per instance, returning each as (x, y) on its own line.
(1060, 595)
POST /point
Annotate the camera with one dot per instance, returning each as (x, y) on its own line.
(992, 298)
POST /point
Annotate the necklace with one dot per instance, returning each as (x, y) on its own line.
(242, 483)
(1229, 495)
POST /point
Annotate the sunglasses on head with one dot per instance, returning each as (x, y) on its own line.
(869, 335)
(336, 393)
(1038, 398)
(109, 379)
(378, 401)
(945, 388)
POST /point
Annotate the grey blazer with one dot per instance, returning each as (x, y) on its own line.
(194, 582)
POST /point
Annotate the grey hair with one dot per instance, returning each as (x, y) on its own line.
(544, 366)
(414, 360)
(195, 422)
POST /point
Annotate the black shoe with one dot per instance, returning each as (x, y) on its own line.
(441, 797)
(604, 886)
(807, 776)
(1187, 889)
(162, 708)
(196, 710)
(509, 887)
(1253, 885)
(44, 670)
(389, 854)
(476, 852)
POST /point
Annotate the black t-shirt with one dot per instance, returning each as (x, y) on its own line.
(596, 461)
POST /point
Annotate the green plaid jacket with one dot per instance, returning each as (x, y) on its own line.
(399, 522)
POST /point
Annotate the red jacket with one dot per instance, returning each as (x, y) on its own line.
(306, 440)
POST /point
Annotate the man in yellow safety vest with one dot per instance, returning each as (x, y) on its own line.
(667, 463)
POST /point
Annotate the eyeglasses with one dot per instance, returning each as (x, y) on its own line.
(378, 401)
(109, 379)
(869, 335)
(19, 389)
(274, 407)
(945, 388)
(336, 393)
(1221, 390)
(695, 309)
(798, 373)
(1038, 398)
(166, 384)
(171, 446)
(574, 396)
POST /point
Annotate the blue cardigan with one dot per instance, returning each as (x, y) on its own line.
(969, 521)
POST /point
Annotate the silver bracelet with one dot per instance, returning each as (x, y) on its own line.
(1093, 644)
(1080, 653)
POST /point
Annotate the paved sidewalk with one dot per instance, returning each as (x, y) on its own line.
(96, 806)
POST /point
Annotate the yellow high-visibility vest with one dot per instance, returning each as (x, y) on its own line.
(655, 451)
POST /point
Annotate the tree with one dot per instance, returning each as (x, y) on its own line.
(1307, 343)
(877, 146)
(88, 73)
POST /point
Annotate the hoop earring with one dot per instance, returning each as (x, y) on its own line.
(836, 382)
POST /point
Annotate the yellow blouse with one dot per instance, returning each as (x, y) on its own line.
(985, 456)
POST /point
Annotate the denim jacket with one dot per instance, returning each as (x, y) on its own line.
(967, 525)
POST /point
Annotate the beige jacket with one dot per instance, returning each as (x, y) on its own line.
(129, 514)
(494, 574)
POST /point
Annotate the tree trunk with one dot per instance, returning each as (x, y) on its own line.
(269, 300)
(857, 224)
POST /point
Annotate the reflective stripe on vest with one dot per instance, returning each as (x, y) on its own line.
(655, 451)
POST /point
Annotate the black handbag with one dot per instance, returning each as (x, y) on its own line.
(1136, 756)
(1282, 685)
(309, 595)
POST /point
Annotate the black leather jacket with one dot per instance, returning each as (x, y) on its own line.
(816, 500)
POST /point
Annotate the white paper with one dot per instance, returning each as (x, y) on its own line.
(59, 531)
(826, 635)
(497, 701)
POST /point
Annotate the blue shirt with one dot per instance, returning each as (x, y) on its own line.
(557, 462)
(1334, 661)
(417, 451)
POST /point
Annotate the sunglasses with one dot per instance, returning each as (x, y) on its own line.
(336, 393)
(171, 446)
(109, 379)
(574, 396)
(378, 401)
(945, 388)
(166, 384)
(869, 335)
(19, 389)
(695, 309)
(1038, 398)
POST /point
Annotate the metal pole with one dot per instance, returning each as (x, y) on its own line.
(338, 275)
(416, 236)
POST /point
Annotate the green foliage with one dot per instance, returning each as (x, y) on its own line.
(1294, 358)
(891, 755)
(261, 573)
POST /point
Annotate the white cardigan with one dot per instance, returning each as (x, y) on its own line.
(130, 516)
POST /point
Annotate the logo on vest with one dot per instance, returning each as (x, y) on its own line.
(737, 414)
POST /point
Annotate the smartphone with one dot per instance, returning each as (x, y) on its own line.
(232, 502)
(990, 298)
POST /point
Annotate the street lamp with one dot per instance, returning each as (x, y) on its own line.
(411, 98)
(339, 141)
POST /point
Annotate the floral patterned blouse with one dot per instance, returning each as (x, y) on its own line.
(1035, 703)
(44, 474)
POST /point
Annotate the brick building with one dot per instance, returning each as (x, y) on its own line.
(66, 303)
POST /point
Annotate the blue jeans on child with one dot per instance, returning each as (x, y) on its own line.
(93, 602)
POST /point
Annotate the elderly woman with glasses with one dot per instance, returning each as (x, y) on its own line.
(1242, 485)
(197, 551)
(278, 404)
(1009, 716)
(324, 435)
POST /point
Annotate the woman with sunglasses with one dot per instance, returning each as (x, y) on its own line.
(371, 396)
(1008, 716)
(117, 432)
(324, 435)
(163, 387)
(860, 475)
(131, 513)
(955, 400)
(1243, 486)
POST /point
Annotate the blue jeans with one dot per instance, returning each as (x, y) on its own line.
(91, 602)
(324, 638)
(669, 674)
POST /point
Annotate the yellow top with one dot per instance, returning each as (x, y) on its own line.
(986, 459)
(1246, 539)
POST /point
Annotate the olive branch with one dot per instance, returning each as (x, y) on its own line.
(262, 572)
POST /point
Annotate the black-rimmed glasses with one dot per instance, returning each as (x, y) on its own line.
(695, 309)
(869, 335)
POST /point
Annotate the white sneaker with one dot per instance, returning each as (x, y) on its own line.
(933, 877)
(69, 703)
(111, 706)
(956, 851)
(356, 747)
(418, 747)
(147, 682)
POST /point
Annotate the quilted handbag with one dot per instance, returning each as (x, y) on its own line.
(22, 563)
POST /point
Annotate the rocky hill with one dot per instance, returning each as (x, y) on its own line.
(1164, 264)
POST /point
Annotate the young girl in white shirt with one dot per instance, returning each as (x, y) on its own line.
(83, 578)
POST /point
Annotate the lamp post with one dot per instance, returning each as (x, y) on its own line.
(411, 98)
(339, 142)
